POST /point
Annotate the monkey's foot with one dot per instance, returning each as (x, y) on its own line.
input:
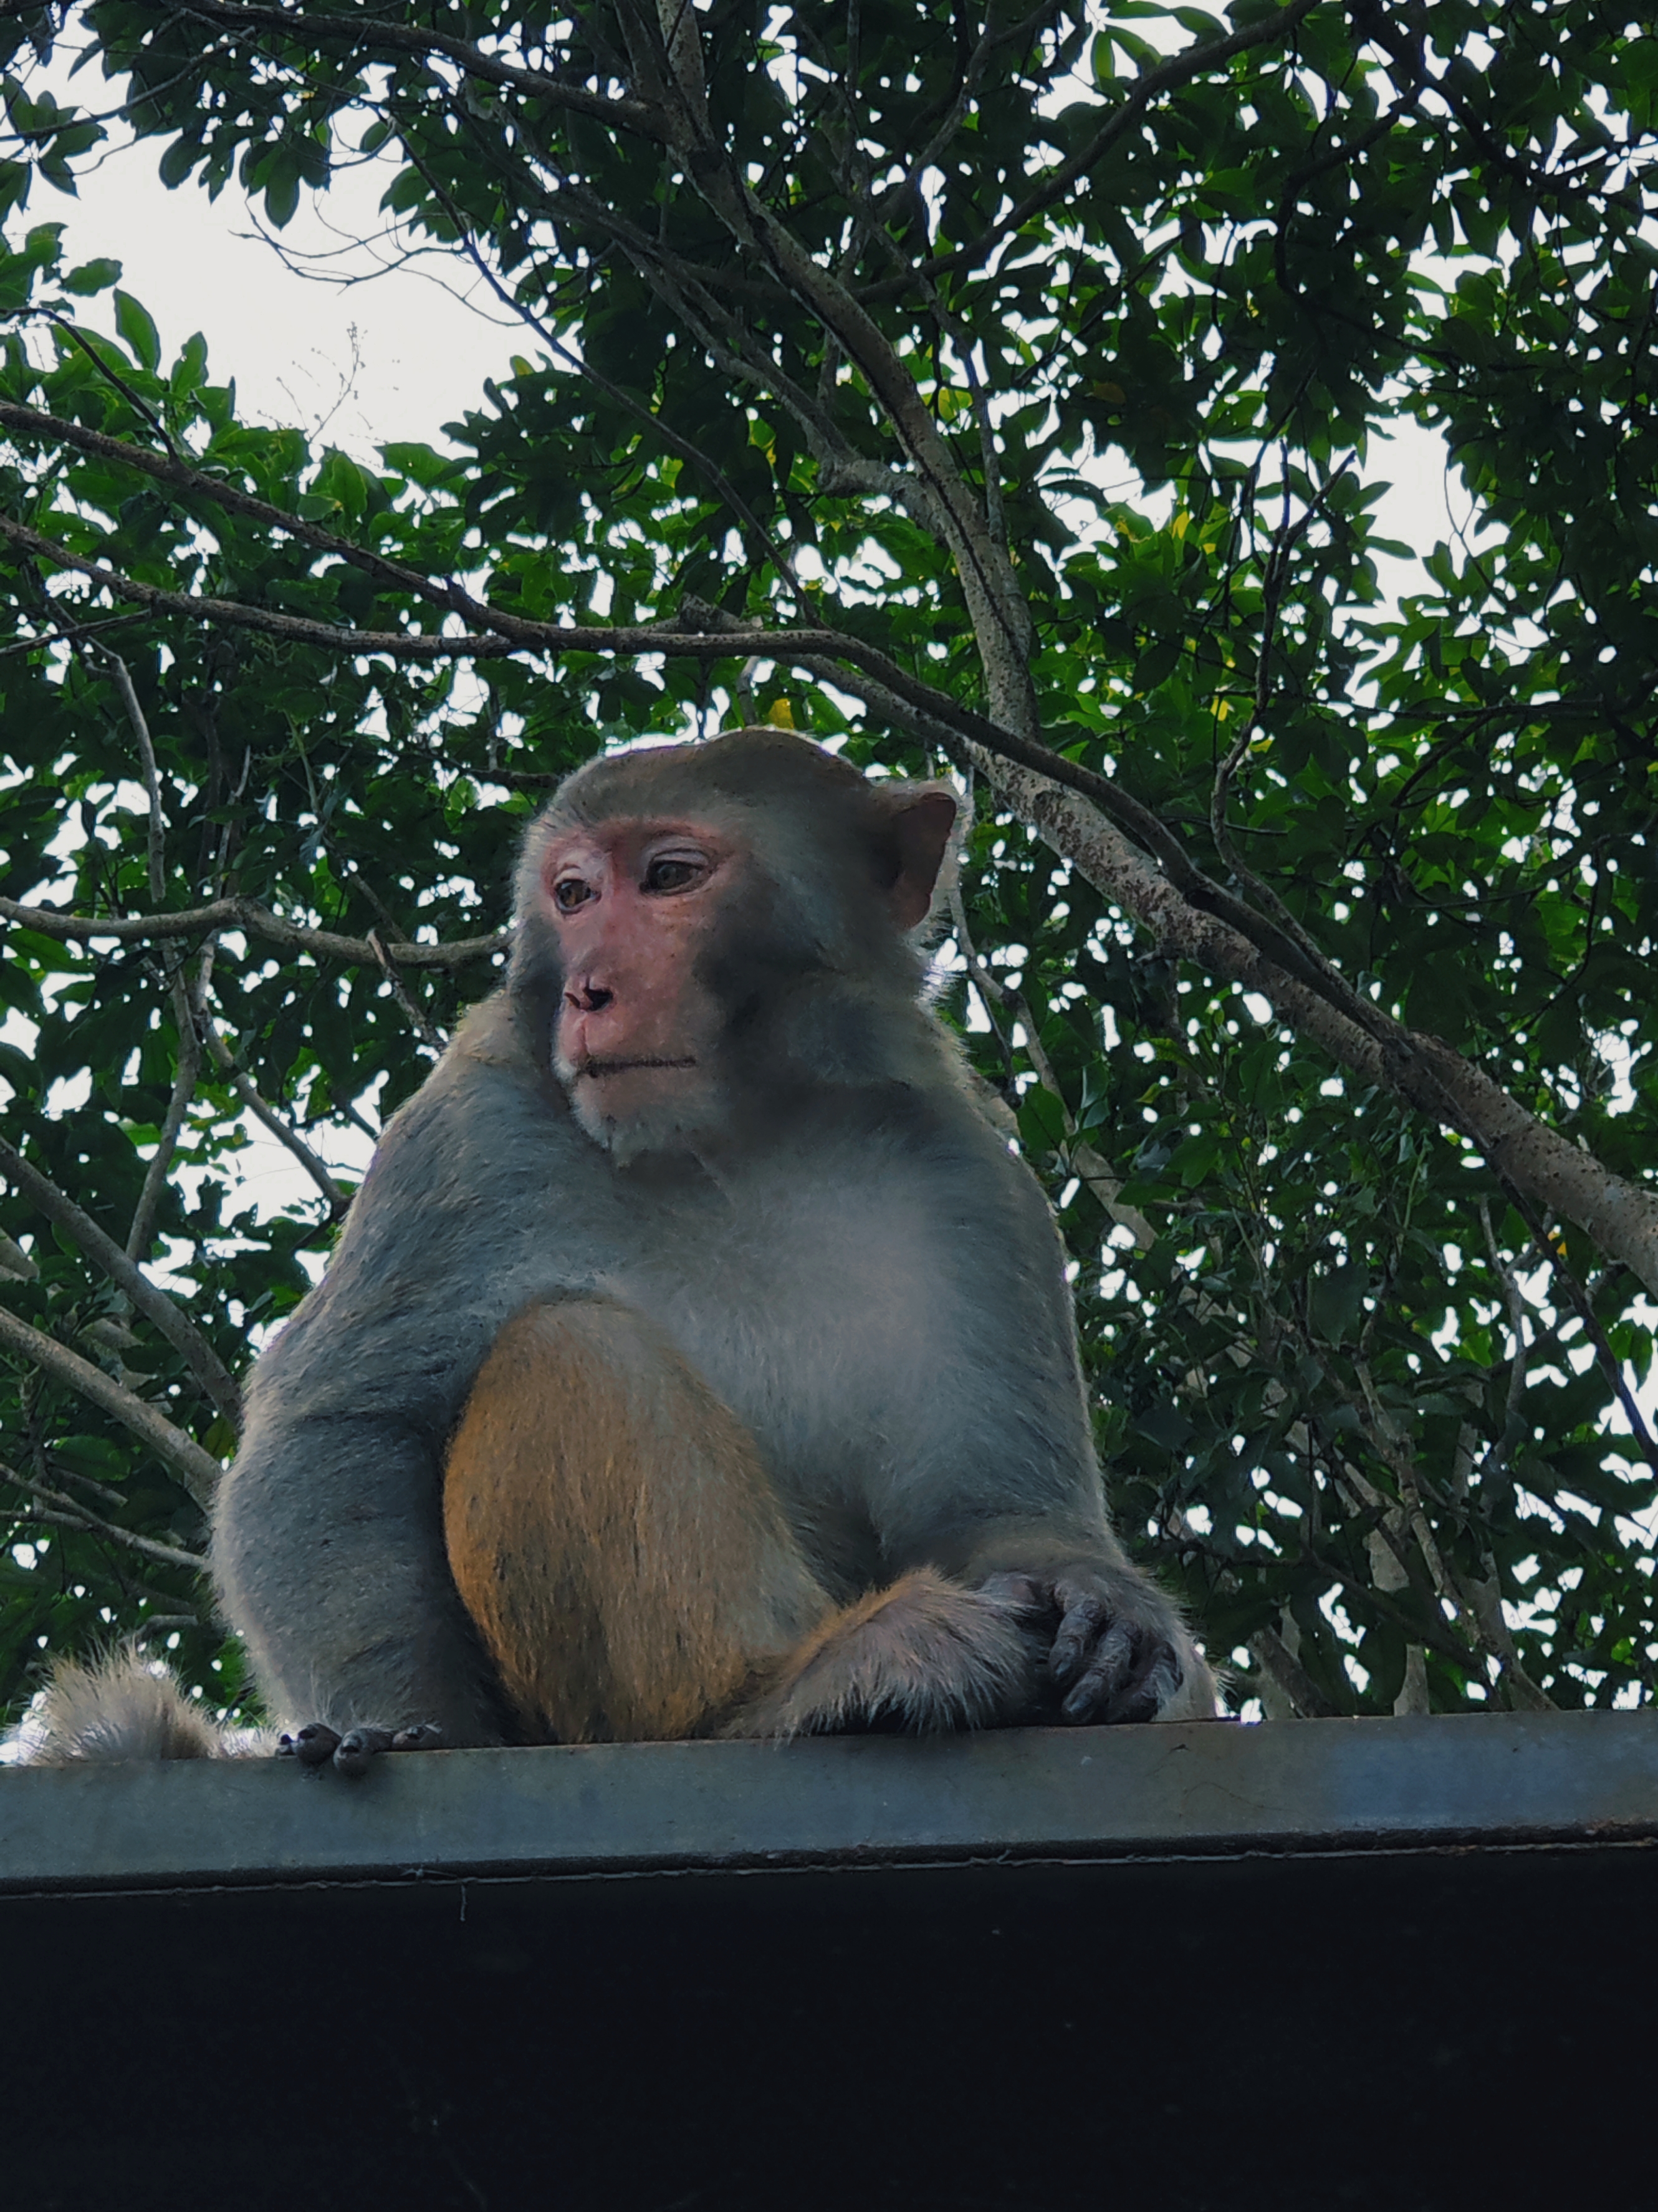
(923, 1657)
(319, 1745)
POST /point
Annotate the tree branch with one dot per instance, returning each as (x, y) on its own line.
(417, 1020)
(1081, 1157)
(63, 1512)
(1181, 907)
(264, 1113)
(197, 1469)
(197, 483)
(1290, 1676)
(246, 914)
(1622, 1217)
(142, 1234)
(1168, 76)
(168, 1319)
(359, 29)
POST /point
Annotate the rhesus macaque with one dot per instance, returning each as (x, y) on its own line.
(697, 1357)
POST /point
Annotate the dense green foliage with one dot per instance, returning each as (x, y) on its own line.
(1159, 381)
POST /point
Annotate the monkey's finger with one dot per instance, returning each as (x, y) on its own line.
(312, 1745)
(1151, 1688)
(426, 1736)
(1112, 1665)
(363, 1745)
(1084, 1617)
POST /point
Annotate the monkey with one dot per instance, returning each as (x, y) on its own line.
(697, 1356)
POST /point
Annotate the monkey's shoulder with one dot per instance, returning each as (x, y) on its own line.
(484, 1091)
(491, 1035)
(470, 1161)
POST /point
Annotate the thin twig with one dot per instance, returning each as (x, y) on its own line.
(111, 374)
(427, 1033)
(156, 839)
(1393, 1449)
(1085, 1162)
(251, 1095)
(248, 915)
(265, 1114)
(142, 1234)
(69, 1512)
(1278, 571)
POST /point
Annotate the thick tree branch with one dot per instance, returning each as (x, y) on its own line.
(152, 1303)
(1288, 1676)
(1622, 1217)
(1218, 932)
(197, 1469)
(718, 636)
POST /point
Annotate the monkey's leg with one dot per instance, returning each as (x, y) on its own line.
(614, 1536)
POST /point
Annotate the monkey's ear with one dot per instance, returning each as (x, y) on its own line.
(919, 825)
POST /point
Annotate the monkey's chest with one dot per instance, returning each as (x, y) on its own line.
(821, 1326)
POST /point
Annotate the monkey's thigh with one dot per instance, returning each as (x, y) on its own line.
(613, 1534)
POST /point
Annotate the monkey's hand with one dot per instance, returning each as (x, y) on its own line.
(319, 1745)
(1118, 1651)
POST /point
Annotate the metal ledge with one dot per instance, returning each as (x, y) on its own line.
(1208, 1789)
(1315, 1966)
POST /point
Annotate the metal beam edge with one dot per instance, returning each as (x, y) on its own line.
(1204, 1789)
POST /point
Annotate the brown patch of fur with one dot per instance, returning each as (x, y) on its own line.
(613, 1534)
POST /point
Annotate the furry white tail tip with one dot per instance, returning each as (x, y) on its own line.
(122, 1707)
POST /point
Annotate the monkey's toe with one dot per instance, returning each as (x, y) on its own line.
(353, 1752)
(312, 1745)
(357, 1750)
(359, 1746)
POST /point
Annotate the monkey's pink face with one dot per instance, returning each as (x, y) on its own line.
(632, 903)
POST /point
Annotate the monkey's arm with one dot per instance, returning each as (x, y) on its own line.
(999, 1484)
(328, 1547)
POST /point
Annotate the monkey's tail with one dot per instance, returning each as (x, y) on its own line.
(123, 1706)
(923, 1656)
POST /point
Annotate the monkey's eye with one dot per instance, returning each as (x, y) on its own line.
(669, 872)
(570, 892)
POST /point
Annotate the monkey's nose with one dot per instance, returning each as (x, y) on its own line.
(591, 998)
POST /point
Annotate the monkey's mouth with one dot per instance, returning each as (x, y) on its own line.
(599, 1069)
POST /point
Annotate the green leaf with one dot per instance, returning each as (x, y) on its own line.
(92, 277)
(138, 331)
